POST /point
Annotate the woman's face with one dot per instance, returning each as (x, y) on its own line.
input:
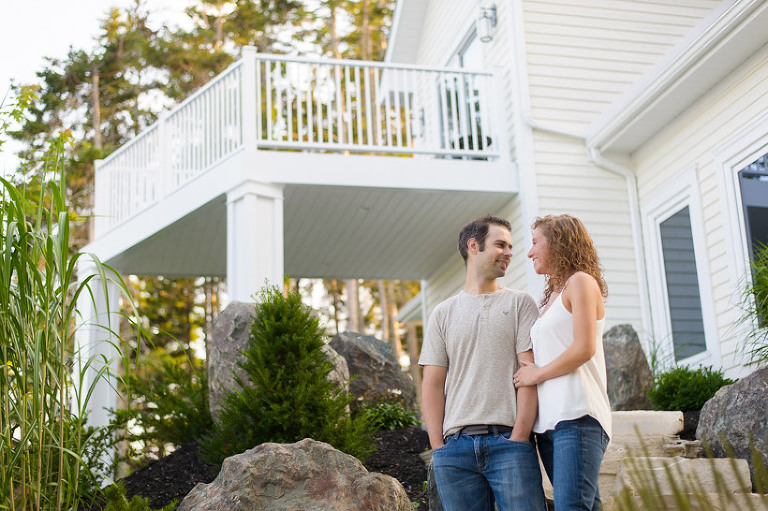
(539, 253)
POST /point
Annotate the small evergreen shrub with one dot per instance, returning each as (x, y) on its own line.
(287, 395)
(685, 389)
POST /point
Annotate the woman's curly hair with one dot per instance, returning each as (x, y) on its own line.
(570, 250)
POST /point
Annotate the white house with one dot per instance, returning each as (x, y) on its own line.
(648, 120)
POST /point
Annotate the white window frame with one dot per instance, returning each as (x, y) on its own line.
(746, 146)
(660, 205)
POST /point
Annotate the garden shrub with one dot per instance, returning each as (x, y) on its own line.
(685, 389)
(388, 413)
(170, 407)
(286, 395)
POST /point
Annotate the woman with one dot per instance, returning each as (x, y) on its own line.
(574, 420)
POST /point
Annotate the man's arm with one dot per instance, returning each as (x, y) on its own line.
(433, 407)
(527, 406)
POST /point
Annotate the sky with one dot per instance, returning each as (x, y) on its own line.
(33, 29)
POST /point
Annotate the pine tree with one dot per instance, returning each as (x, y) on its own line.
(287, 395)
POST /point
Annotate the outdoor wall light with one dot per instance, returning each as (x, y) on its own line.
(486, 23)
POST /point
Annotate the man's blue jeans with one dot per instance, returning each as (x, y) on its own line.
(571, 454)
(473, 472)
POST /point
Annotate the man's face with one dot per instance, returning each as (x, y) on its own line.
(494, 259)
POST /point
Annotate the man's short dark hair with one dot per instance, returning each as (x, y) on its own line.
(478, 229)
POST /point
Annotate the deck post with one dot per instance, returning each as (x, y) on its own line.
(96, 345)
(249, 106)
(254, 239)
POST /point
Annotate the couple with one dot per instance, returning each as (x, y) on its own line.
(496, 369)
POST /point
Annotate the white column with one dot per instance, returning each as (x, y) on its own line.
(254, 239)
(96, 345)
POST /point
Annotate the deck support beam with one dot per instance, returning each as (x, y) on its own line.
(255, 252)
(97, 345)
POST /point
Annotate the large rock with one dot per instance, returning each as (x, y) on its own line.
(231, 336)
(629, 377)
(373, 368)
(288, 477)
(736, 414)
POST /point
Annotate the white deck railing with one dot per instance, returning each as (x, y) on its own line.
(293, 103)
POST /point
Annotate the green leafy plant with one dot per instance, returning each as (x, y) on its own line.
(685, 389)
(389, 413)
(287, 395)
(170, 408)
(754, 307)
(115, 499)
(48, 456)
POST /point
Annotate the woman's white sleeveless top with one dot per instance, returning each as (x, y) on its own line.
(573, 395)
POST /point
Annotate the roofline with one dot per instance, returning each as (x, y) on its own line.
(715, 37)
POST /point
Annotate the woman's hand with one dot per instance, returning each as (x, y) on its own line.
(528, 375)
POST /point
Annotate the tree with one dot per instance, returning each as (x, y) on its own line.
(288, 394)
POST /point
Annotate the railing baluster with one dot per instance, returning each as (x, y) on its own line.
(398, 114)
(268, 92)
(377, 109)
(407, 111)
(368, 111)
(311, 82)
(348, 105)
(339, 105)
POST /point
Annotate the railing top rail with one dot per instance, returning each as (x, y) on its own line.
(132, 142)
(371, 64)
(230, 69)
(172, 111)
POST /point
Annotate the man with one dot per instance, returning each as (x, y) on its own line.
(479, 426)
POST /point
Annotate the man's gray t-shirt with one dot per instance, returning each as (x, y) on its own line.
(478, 337)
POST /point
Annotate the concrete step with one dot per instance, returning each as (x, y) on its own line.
(697, 502)
(647, 422)
(668, 475)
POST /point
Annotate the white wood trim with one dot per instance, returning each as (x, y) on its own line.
(746, 146)
(674, 195)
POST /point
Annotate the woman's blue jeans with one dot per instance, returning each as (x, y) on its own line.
(474, 472)
(571, 454)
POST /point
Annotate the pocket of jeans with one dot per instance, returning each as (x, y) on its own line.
(506, 436)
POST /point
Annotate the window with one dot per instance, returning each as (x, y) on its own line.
(684, 328)
(753, 182)
(683, 293)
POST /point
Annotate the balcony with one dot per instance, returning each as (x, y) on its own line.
(346, 144)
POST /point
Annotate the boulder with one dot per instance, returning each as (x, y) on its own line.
(305, 475)
(231, 335)
(629, 376)
(736, 414)
(374, 370)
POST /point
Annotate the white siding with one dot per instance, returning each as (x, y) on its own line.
(583, 55)
(569, 183)
(693, 140)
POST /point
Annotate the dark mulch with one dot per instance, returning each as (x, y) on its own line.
(173, 476)
(690, 423)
